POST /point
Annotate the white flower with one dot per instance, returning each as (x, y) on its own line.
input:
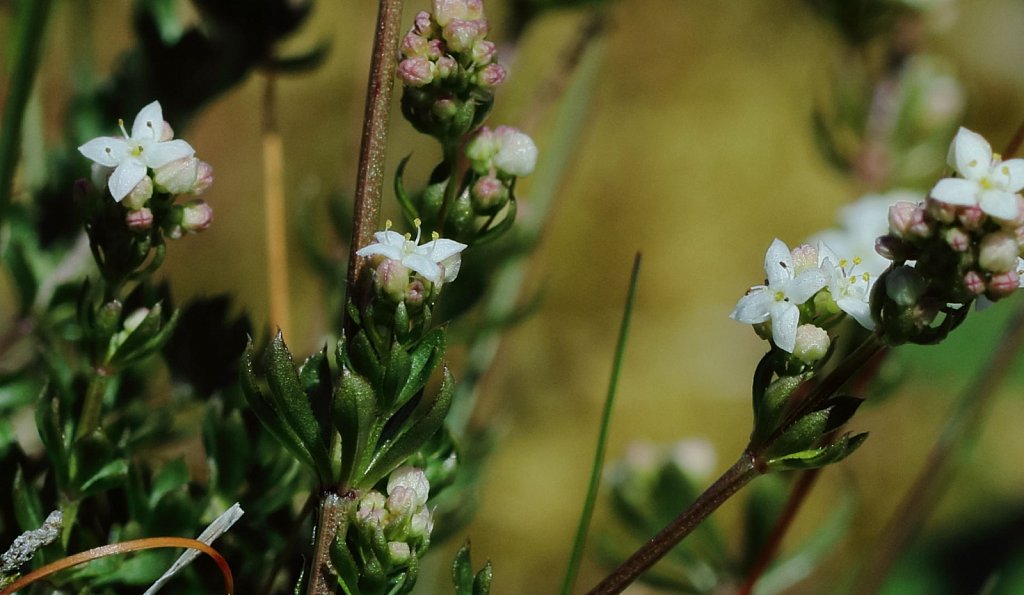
(437, 261)
(778, 300)
(851, 292)
(517, 153)
(860, 223)
(987, 182)
(132, 156)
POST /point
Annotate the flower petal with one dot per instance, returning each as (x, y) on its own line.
(390, 238)
(160, 154)
(858, 309)
(105, 150)
(778, 263)
(785, 318)
(954, 191)
(149, 123)
(999, 204)
(441, 249)
(424, 266)
(825, 253)
(451, 266)
(805, 285)
(1014, 171)
(972, 154)
(386, 250)
(753, 307)
(129, 173)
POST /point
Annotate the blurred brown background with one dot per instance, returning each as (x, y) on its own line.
(697, 152)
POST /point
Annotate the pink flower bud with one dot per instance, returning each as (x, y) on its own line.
(974, 283)
(445, 109)
(414, 45)
(492, 75)
(805, 257)
(416, 72)
(958, 239)
(940, 211)
(196, 216)
(139, 219)
(446, 67)
(901, 216)
(972, 218)
(204, 177)
(998, 252)
(447, 10)
(435, 49)
(416, 293)
(488, 195)
(177, 177)
(463, 35)
(423, 24)
(483, 52)
(140, 194)
(1002, 285)
(392, 279)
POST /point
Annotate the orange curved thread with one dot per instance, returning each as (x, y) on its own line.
(123, 548)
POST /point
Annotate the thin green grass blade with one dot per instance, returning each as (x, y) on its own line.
(602, 440)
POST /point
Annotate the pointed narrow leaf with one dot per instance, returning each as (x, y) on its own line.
(364, 359)
(354, 414)
(395, 376)
(462, 571)
(482, 582)
(425, 359)
(801, 435)
(841, 409)
(421, 426)
(345, 566)
(819, 457)
(49, 426)
(315, 375)
(28, 508)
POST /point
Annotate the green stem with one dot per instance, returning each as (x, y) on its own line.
(451, 160)
(92, 409)
(30, 24)
(602, 439)
(737, 476)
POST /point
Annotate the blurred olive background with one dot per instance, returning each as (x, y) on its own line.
(697, 151)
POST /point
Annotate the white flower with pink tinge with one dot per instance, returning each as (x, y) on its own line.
(778, 300)
(132, 156)
(437, 261)
(988, 182)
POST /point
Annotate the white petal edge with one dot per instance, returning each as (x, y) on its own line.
(1016, 169)
(105, 150)
(160, 154)
(129, 173)
(785, 319)
(424, 266)
(753, 307)
(859, 310)
(387, 250)
(441, 249)
(973, 154)
(955, 191)
(805, 285)
(778, 263)
(1001, 205)
(149, 123)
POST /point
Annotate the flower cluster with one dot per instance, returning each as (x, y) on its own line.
(449, 69)
(966, 237)
(498, 156)
(144, 170)
(395, 528)
(407, 272)
(807, 291)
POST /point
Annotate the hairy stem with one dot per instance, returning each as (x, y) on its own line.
(737, 476)
(964, 418)
(30, 23)
(330, 523)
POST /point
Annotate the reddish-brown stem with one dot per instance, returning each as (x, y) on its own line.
(737, 476)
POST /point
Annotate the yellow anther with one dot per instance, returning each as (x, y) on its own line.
(434, 235)
(865, 276)
(857, 260)
(387, 225)
(1005, 170)
(842, 263)
(417, 222)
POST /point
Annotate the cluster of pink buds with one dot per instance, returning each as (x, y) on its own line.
(964, 240)
(449, 69)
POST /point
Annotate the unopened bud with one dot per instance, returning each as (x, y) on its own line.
(139, 219)
(805, 257)
(1002, 285)
(999, 252)
(447, 10)
(446, 67)
(399, 552)
(177, 177)
(958, 239)
(392, 279)
(517, 155)
(940, 211)
(491, 76)
(445, 109)
(423, 24)
(974, 283)
(196, 216)
(140, 194)
(489, 195)
(462, 35)
(972, 218)
(414, 45)
(412, 479)
(812, 343)
(901, 218)
(483, 52)
(416, 71)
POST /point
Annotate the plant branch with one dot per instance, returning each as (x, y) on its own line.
(28, 42)
(330, 523)
(602, 440)
(737, 476)
(964, 418)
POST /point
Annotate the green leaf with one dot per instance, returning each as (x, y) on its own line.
(109, 476)
(18, 391)
(425, 421)
(492, 233)
(345, 566)
(482, 582)
(462, 571)
(16, 259)
(424, 362)
(50, 428)
(363, 358)
(28, 508)
(266, 411)
(354, 416)
(772, 407)
(841, 408)
(819, 457)
(172, 476)
(315, 375)
(800, 435)
(395, 377)
(293, 404)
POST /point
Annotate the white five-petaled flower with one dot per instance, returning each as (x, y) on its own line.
(132, 156)
(778, 300)
(988, 182)
(850, 291)
(437, 261)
